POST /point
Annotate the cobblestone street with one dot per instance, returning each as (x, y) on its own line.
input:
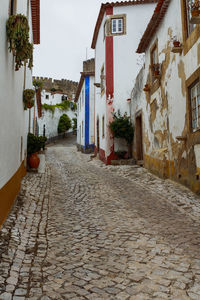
(84, 230)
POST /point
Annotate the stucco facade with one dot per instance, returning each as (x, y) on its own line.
(14, 119)
(85, 108)
(117, 33)
(165, 137)
(48, 122)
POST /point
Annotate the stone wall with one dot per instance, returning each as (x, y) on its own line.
(65, 86)
(89, 65)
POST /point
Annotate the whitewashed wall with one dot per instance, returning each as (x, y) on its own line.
(81, 117)
(51, 122)
(100, 101)
(127, 62)
(13, 118)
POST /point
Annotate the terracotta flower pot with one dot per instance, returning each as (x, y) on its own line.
(29, 105)
(176, 43)
(34, 161)
(195, 12)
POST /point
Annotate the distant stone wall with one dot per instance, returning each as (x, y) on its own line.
(65, 86)
(89, 65)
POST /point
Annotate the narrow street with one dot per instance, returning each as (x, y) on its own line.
(84, 230)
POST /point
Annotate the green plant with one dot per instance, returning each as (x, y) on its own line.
(121, 127)
(74, 123)
(17, 30)
(28, 98)
(64, 123)
(35, 143)
(73, 106)
(38, 83)
(63, 106)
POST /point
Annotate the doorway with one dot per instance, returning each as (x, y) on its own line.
(138, 131)
(98, 142)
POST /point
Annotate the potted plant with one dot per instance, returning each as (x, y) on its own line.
(146, 88)
(28, 98)
(34, 145)
(17, 30)
(156, 69)
(176, 42)
(195, 8)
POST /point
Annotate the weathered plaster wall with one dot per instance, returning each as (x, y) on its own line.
(165, 109)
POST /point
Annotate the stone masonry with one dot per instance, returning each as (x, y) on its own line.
(84, 230)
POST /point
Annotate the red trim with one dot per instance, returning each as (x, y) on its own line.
(109, 67)
(109, 11)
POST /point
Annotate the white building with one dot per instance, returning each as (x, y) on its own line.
(48, 122)
(167, 113)
(85, 108)
(116, 36)
(14, 119)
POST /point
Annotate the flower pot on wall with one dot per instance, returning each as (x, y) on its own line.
(176, 43)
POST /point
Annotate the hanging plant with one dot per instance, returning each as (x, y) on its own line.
(17, 30)
(28, 98)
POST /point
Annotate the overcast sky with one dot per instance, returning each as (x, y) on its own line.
(66, 31)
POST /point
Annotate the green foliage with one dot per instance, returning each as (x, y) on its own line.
(121, 127)
(38, 83)
(28, 98)
(73, 106)
(35, 143)
(74, 124)
(49, 107)
(63, 106)
(64, 123)
(17, 30)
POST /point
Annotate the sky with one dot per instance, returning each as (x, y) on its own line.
(66, 31)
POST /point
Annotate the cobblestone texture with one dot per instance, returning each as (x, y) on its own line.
(84, 230)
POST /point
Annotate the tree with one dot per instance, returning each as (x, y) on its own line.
(121, 127)
(64, 123)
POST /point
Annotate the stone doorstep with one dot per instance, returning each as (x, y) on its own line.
(120, 162)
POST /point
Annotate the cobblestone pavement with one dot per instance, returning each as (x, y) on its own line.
(84, 230)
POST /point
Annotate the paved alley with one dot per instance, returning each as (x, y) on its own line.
(84, 230)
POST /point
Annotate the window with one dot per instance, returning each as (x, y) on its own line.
(117, 25)
(102, 81)
(190, 27)
(103, 126)
(13, 7)
(47, 97)
(194, 93)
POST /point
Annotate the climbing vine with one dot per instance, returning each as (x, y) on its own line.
(63, 106)
(17, 30)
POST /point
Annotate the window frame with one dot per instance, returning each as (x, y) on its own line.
(189, 84)
(117, 17)
(189, 38)
(196, 84)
